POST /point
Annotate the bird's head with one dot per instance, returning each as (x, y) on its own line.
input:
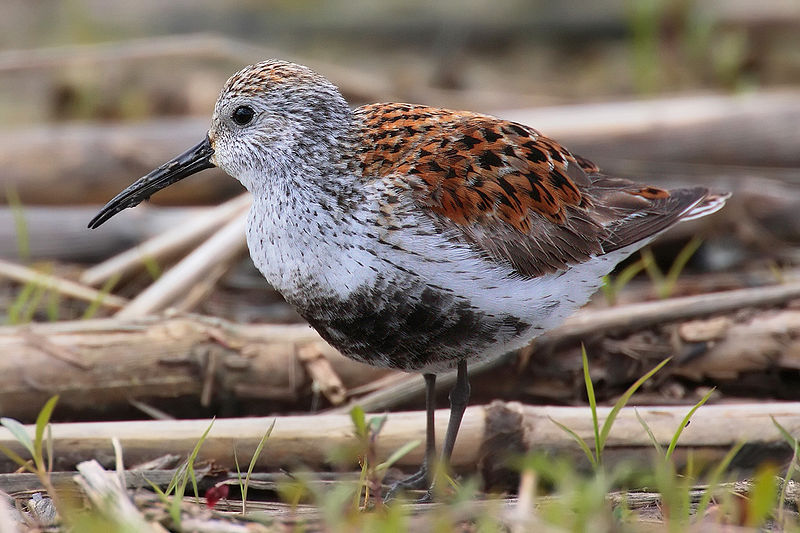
(268, 116)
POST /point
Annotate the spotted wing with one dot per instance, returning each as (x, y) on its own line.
(517, 196)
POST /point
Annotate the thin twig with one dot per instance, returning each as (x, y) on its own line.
(641, 315)
(181, 237)
(224, 245)
(23, 274)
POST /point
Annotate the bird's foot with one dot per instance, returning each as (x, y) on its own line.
(416, 481)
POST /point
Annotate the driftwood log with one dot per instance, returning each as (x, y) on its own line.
(99, 364)
(490, 435)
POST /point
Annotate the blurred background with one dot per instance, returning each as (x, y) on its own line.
(95, 93)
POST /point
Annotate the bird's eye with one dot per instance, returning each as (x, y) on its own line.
(242, 115)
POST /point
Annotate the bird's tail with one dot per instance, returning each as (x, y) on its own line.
(708, 205)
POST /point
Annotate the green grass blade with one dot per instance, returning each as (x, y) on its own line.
(253, 460)
(761, 502)
(152, 267)
(49, 441)
(397, 455)
(713, 480)
(18, 431)
(105, 290)
(41, 424)
(791, 441)
(649, 431)
(592, 402)
(578, 439)
(375, 424)
(39, 291)
(53, 306)
(359, 419)
(242, 490)
(193, 457)
(651, 267)
(173, 483)
(20, 224)
(628, 273)
(19, 303)
(161, 494)
(685, 422)
(14, 456)
(679, 264)
(608, 290)
(612, 415)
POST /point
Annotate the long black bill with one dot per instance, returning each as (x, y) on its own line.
(189, 162)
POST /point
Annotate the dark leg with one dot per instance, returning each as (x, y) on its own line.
(422, 478)
(459, 397)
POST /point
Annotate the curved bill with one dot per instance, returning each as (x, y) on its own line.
(189, 162)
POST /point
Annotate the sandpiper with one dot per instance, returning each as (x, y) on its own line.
(413, 237)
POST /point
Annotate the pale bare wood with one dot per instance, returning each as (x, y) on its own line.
(110, 499)
(202, 288)
(106, 362)
(319, 368)
(223, 247)
(134, 479)
(641, 116)
(411, 386)
(642, 315)
(361, 84)
(485, 434)
(23, 274)
(167, 244)
(736, 345)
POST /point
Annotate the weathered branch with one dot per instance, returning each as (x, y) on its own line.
(105, 362)
(489, 434)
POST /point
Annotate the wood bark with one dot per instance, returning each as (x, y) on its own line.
(96, 364)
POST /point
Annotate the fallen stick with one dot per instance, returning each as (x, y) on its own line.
(489, 435)
(222, 248)
(23, 274)
(167, 244)
(700, 128)
(641, 315)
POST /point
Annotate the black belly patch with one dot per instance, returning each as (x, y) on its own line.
(408, 328)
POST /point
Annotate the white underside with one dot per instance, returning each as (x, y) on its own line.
(289, 249)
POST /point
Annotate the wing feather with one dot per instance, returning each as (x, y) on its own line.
(517, 196)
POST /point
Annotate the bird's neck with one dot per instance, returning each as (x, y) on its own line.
(316, 169)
